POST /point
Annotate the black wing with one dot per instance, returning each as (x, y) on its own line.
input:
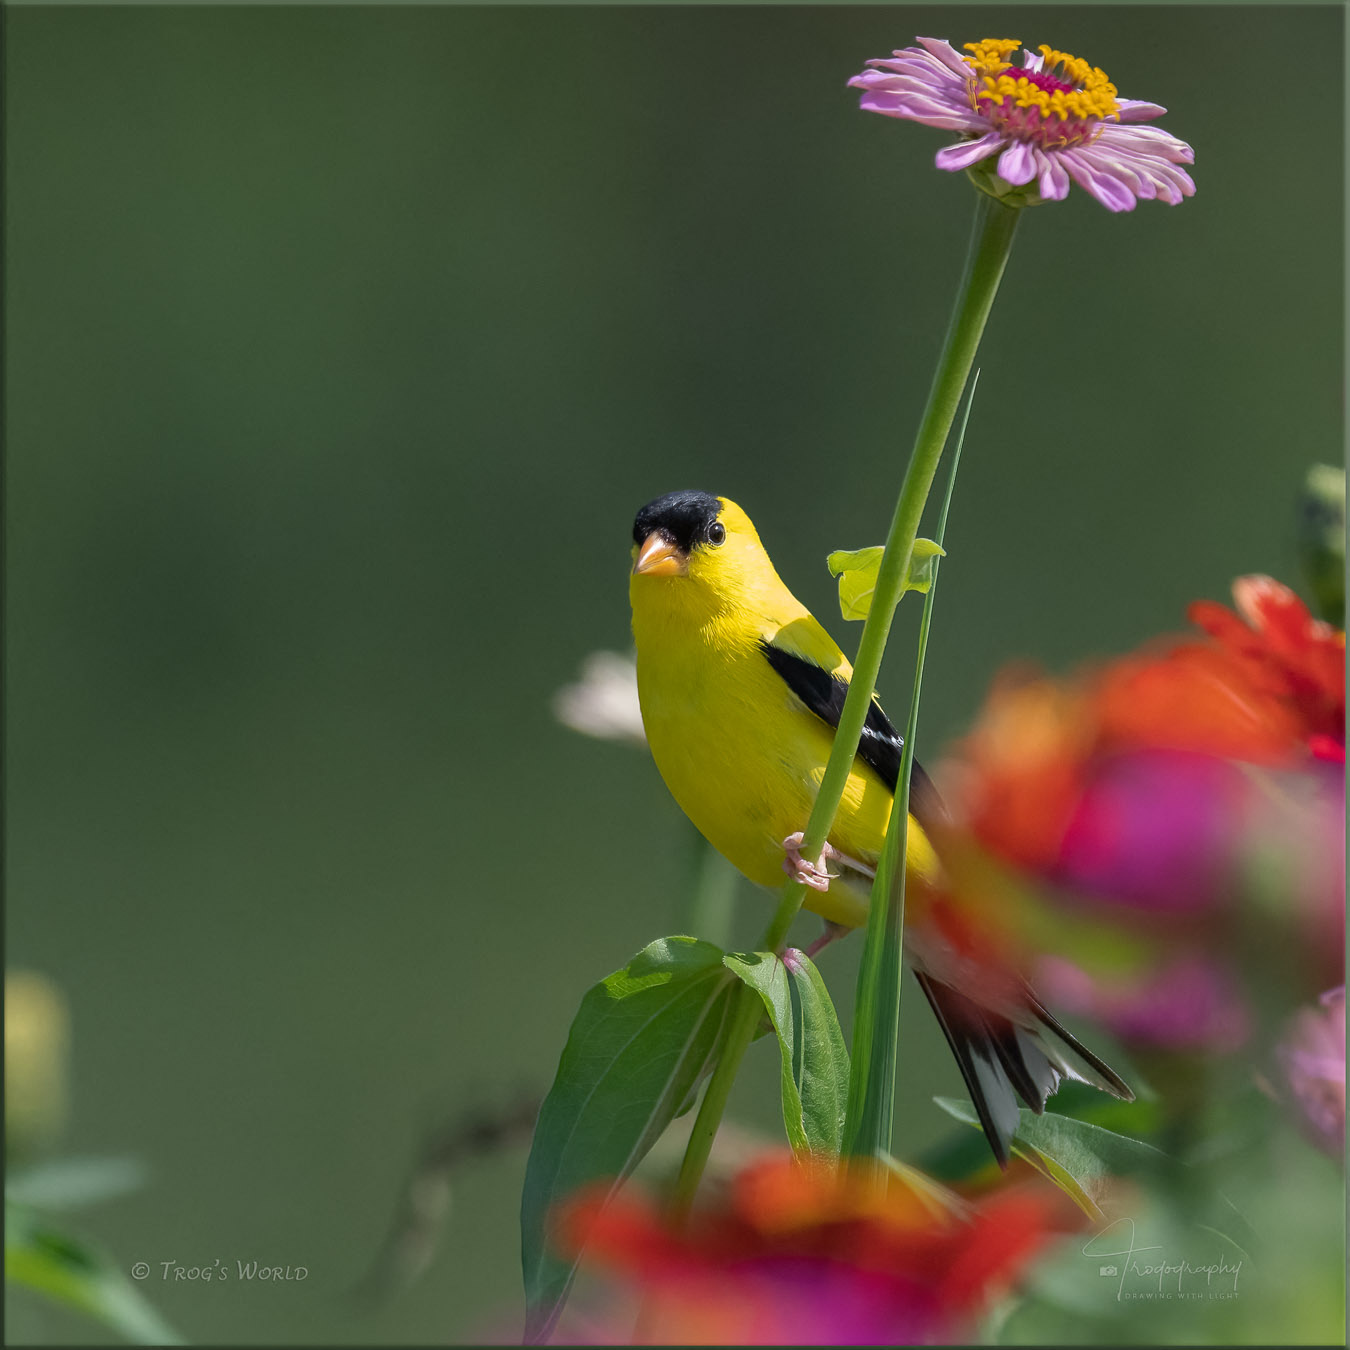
(881, 745)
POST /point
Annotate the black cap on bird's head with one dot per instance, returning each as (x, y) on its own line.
(668, 529)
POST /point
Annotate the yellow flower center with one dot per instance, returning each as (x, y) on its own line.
(1065, 88)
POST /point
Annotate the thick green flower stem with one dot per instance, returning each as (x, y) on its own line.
(869, 1113)
(991, 242)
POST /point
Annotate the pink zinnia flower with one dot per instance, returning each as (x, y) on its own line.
(1052, 119)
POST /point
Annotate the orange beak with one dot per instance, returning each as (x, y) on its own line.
(658, 557)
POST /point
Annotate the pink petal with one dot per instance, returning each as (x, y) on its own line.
(946, 53)
(965, 153)
(933, 114)
(1174, 186)
(1054, 182)
(917, 65)
(1137, 110)
(944, 91)
(916, 109)
(1111, 192)
(918, 87)
(1170, 183)
(1149, 140)
(920, 65)
(1127, 154)
(1017, 164)
(1115, 167)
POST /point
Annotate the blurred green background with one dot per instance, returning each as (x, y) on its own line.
(343, 345)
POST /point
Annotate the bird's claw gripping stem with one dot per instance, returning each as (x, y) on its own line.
(803, 870)
(817, 875)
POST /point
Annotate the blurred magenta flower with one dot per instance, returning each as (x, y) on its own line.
(1306, 833)
(817, 1253)
(1189, 1003)
(1156, 829)
(1052, 118)
(1312, 1057)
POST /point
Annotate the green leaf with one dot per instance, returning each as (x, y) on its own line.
(960, 1156)
(811, 1046)
(820, 1061)
(69, 1183)
(923, 565)
(638, 1045)
(80, 1276)
(1083, 1160)
(857, 573)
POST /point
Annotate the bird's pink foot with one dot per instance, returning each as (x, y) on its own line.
(817, 876)
(802, 870)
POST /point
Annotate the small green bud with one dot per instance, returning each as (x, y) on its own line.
(1321, 540)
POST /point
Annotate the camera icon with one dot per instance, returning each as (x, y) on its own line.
(1108, 1270)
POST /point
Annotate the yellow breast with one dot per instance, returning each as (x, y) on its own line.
(738, 750)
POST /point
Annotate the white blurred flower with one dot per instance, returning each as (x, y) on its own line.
(604, 701)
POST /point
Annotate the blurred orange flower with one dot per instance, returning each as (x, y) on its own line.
(818, 1253)
(1021, 767)
(1268, 688)
(1156, 792)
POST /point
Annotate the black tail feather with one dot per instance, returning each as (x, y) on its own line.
(1029, 1071)
(983, 1068)
(1114, 1083)
(1001, 1060)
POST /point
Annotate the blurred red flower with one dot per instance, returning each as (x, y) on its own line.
(1157, 792)
(817, 1253)
(1301, 660)
(1268, 688)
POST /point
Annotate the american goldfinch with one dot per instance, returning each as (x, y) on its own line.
(741, 690)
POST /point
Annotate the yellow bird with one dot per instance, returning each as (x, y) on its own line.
(741, 690)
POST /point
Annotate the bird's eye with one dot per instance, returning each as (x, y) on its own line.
(717, 533)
